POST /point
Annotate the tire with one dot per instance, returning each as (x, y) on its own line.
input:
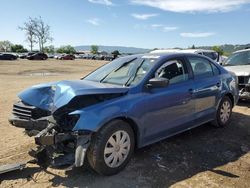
(224, 113)
(102, 163)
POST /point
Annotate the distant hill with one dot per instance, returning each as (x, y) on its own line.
(109, 49)
(228, 48)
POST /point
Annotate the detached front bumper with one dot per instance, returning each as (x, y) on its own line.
(55, 147)
(28, 124)
(61, 149)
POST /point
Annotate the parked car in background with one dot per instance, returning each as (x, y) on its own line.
(37, 56)
(128, 103)
(23, 55)
(51, 56)
(99, 57)
(7, 56)
(239, 63)
(208, 53)
(67, 57)
(109, 58)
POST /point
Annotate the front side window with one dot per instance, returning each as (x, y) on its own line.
(201, 67)
(240, 58)
(174, 71)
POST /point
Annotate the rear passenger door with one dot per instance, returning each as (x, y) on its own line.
(206, 88)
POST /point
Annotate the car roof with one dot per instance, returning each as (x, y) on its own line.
(163, 55)
(180, 51)
(244, 50)
(197, 50)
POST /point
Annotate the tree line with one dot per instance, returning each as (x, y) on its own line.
(38, 32)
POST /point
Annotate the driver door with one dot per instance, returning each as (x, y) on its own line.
(169, 110)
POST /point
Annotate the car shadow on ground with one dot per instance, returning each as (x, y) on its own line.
(244, 103)
(170, 161)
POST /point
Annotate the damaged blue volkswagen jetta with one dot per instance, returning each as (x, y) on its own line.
(126, 104)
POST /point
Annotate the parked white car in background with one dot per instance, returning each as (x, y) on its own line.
(208, 53)
(239, 63)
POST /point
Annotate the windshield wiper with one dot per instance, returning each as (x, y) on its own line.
(128, 82)
(124, 64)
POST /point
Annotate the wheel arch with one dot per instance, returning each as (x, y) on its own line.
(231, 97)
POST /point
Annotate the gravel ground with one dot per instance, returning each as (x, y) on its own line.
(202, 157)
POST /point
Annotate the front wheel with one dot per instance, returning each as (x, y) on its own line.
(224, 112)
(111, 148)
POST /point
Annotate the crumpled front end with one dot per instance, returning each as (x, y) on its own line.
(57, 145)
(45, 111)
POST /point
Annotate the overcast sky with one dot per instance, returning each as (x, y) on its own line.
(137, 23)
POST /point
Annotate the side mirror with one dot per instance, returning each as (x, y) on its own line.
(158, 83)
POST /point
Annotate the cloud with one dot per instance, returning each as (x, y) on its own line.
(157, 25)
(143, 16)
(102, 2)
(197, 35)
(163, 27)
(183, 6)
(167, 29)
(94, 21)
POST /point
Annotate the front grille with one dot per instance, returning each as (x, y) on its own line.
(22, 110)
(25, 111)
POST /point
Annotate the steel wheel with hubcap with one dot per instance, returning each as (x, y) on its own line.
(224, 112)
(111, 148)
(117, 149)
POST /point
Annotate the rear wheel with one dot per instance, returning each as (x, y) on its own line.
(224, 112)
(111, 148)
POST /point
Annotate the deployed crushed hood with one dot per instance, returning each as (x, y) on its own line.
(241, 70)
(54, 95)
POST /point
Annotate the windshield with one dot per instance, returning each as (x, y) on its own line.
(240, 58)
(126, 71)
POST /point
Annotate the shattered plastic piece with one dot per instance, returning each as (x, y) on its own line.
(162, 166)
(11, 167)
(157, 157)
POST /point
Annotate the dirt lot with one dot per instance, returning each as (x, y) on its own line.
(202, 157)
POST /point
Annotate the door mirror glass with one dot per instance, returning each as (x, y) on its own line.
(158, 83)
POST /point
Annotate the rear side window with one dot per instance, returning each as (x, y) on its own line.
(201, 67)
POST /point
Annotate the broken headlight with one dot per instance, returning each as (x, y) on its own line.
(68, 122)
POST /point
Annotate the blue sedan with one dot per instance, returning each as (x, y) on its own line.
(126, 104)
